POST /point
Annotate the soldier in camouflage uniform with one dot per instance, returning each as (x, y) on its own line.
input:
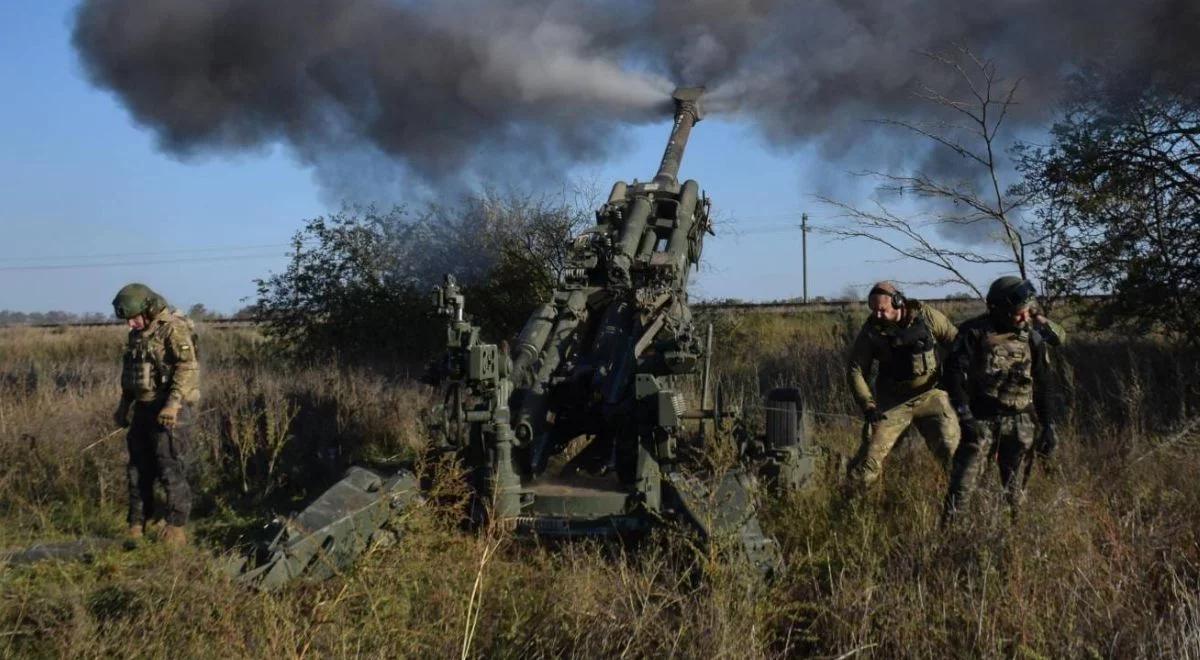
(998, 375)
(901, 336)
(160, 384)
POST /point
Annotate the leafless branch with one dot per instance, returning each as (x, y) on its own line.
(983, 113)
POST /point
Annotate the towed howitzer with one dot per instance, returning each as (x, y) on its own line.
(605, 372)
(584, 428)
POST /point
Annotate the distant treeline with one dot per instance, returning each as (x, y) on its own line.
(54, 317)
(197, 312)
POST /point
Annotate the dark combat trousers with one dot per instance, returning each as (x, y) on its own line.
(155, 454)
(1007, 437)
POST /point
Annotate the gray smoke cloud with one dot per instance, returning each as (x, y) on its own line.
(455, 91)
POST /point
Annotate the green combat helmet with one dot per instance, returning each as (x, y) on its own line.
(137, 298)
(1010, 293)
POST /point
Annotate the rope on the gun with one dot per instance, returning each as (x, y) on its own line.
(852, 419)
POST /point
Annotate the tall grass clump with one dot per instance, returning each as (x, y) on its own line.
(1103, 559)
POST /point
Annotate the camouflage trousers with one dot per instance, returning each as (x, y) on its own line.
(930, 412)
(1009, 438)
(157, 454)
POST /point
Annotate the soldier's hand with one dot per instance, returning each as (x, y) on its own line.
(169, 415)
(121, 415)
(873, 416)
(1046, 329)
(1047, 441)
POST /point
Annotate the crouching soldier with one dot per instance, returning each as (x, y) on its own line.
(160, 382)
(998, 375)
(901, 336)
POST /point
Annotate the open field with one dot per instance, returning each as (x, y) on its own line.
(1103, 562)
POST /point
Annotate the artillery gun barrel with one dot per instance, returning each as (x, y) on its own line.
(687, 113)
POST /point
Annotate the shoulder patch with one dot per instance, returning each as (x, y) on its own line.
(180, 335)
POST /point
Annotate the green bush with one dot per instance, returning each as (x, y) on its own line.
(358, 284)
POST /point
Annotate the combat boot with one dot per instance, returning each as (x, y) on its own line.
(174, 536)
(135, 531)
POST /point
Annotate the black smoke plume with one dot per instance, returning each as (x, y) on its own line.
(451, 91)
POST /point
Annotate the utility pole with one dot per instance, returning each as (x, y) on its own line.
(804, 250)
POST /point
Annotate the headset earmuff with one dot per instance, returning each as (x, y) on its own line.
(895, 295)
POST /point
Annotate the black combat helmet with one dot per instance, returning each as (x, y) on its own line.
(1010, 293)
(137, 298)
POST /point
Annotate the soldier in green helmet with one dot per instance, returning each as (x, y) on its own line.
(902, 337)
(160, 385)
(998, 376)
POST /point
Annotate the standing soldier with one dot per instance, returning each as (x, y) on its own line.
(160, 382)
(902, 337)
(998, 375)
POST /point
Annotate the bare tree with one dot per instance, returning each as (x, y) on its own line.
(972, 199)
(851, 293)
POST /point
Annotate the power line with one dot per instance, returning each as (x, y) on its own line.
(151, 262)
(150, 253)
(756, 216)
(211, 254)
(764, 230)
(762, 227)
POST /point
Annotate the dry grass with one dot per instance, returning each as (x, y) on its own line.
(1104, 560)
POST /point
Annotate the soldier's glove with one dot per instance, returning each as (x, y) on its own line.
(169, 415)
(121, 415)
(873, 416)
(1047, 441)
(1042, 325)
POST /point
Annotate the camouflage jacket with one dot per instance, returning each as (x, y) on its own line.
(995, 371)
(160, 362)
(906, 354)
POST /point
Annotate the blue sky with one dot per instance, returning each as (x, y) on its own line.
(85, 188)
